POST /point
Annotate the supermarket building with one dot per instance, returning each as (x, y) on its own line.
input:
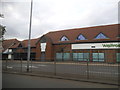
(94, 44)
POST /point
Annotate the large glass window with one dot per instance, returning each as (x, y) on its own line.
(66, 56)
(62, 56)
(118, 57)
(98, 57)
(58, 56)
(75, 56)
(81, 56)
(86, 56)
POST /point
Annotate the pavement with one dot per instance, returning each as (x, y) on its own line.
(69, 62)
(25, 81)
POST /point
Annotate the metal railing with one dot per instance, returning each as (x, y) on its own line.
(85, 70)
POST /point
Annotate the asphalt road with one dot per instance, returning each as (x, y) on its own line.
(104, 71)
(24, 81)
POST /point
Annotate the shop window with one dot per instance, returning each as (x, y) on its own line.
(101, 36)
(58, 56)
(75, 58)
(62, 56)
(118, 57)
(98, 57)
(81, 37)
(81, 56)
(66, 56)
(64, 38)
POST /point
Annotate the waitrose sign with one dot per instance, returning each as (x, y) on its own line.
(111, 45)
(97, 46)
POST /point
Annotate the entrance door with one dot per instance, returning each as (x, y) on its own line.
(42, 56)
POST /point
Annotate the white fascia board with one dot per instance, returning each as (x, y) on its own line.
(111, 45)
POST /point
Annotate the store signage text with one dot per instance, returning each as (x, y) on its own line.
(111, 45)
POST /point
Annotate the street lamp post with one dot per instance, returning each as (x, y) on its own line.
(29, 46)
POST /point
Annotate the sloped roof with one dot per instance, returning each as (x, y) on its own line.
(24, 43)
(111, 31)
(8, 43)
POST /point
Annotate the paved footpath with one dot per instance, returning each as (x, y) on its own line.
(24, 81)
(69, 62)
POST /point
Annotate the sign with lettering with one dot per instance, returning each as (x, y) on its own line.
(111, 45)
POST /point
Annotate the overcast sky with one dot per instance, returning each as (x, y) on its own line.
(54, 15)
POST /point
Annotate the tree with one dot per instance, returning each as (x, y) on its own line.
(2, 29)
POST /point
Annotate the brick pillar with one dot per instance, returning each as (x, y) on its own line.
(38, 51)
(49, 52)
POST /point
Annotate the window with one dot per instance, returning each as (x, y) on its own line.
(20, 45)
(10, 50)
(118, 36)
(80, 56)
(66, 56)
(43, 47)
(62, 56)
(58, 56)
(75, 56)
(64, 38)
(101, 36)
(81, 37)
(98, 57)
(118, 57)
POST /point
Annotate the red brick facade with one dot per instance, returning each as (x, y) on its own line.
(57, 46)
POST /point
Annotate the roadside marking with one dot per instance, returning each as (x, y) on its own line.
(32, 66)
(102, 72)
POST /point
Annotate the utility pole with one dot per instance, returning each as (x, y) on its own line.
(29, 46)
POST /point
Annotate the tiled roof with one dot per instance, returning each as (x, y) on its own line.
(33, 42)
(8, 43)
(111, 31)
(24, 43)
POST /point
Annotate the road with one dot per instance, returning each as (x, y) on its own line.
(24, 81)
(95, 70)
